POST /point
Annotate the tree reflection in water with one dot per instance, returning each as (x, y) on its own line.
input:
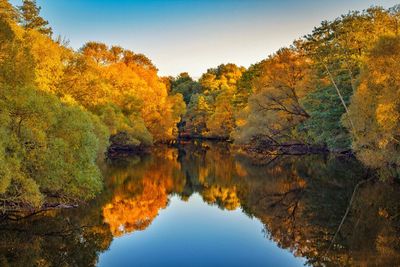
(300, 201)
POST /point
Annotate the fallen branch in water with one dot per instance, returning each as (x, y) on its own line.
(21, 214)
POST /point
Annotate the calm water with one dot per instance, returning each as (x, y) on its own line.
(199, 205)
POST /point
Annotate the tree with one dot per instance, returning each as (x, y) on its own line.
(50, 63)
(16, 64)
(224, 77)
(139, 60)
(31, 18)
(211, 109)
(375, 109)
(102, 76)
(221, 123)
(185, 85)
(245, 86)
(196, 116)
(275, 108)
(98, 52)
(52, 148)
(337, 49)
(49, 145)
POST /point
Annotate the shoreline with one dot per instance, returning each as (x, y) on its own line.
(259, 155)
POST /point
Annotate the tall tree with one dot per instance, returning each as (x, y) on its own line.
(375, 108)
(337, 49)
(31, 18)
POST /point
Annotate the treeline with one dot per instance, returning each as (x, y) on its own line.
(59, 108)
(337, 88)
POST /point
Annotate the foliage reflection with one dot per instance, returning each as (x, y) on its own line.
(299, 200)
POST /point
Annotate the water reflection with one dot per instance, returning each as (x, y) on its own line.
(299, 200)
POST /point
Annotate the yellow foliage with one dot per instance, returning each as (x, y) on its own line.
(49, 62)
(375, 109)
(225, 197)
(275, 108)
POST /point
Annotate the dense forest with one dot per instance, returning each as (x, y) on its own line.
(336, 88)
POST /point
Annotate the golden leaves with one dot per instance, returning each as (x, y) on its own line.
(128, 214)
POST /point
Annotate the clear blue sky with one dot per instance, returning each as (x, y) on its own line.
(194, 35)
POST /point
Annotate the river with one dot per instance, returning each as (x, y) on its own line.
(201, 205)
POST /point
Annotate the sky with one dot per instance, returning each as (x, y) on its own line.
(194, 35)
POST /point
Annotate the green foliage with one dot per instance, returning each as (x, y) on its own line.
(337, 49)
(245, 86)
(59, 107)
(196, 117)
(324, 125)
(50, 148)
(185, 86)
(117, 122)
(212, 109)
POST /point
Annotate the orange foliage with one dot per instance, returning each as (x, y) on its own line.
(125, 215)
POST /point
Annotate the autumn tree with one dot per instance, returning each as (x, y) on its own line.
(103, 77)
(211, 110)
(337, 48)
(8, 12)
(50, 63)
(49, 146)
(222, 121)
(275, 108)
(196, 117)
(224, 77)
(375, 109)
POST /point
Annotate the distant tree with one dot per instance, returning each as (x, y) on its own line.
(197, 114)
(185, 85)
(212, 100)
(221, 123)
(138, 59)
(96, 51)
(31, 18)
(245, 86)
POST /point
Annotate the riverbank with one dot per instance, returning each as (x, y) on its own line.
(18, 211)
(259, 155)
(265, 153)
